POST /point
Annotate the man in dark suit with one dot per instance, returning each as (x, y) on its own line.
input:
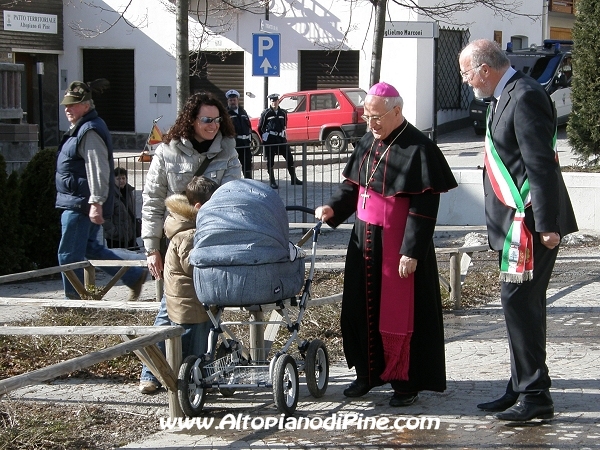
(527, 210)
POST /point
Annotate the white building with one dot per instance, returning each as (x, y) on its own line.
(136, 52)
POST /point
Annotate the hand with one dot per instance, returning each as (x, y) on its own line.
(550, 240)
(324, 213)
(96, 214)
(407, 266)
(155, 265)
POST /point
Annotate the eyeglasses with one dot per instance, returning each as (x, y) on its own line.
(375, 118)
(210, 119)
(466, 72)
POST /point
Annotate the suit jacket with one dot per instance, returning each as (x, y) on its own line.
(522, 130)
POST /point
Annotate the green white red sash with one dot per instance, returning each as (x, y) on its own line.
(516, 264)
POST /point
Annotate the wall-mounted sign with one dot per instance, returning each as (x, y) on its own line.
(267, 27)
(411, 30)
(30, 22)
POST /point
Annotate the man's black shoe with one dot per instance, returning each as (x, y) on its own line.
(403, 399)
(524, 411)
(273, 185)
(501, 404)
(360, 387)
(296, 181)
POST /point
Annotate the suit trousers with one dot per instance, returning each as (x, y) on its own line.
(524, 307)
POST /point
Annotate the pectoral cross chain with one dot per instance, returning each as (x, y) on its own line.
(365, 196)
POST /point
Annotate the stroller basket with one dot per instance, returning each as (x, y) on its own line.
(227, 370)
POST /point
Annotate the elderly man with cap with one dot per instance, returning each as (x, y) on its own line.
(84, 186)
(391, 316)
(271, 126)
(241, 122)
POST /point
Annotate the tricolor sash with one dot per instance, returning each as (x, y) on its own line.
(516, 264)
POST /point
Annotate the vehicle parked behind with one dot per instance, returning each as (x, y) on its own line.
(550, 65)
(329, 115)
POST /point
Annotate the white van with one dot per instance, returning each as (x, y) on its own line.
(550, 65)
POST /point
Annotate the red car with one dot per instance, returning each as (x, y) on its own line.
(330, 115)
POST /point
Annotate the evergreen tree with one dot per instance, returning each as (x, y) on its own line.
(584, 124)
(11, 248)
(40, 220)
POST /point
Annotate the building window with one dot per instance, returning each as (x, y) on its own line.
(116, 105)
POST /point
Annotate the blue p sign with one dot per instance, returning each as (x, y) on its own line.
(265, 55)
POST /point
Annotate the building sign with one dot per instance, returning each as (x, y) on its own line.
(30, 22)
(266, 27)
(411, 30)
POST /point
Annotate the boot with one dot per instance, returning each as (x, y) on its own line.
(272, 180)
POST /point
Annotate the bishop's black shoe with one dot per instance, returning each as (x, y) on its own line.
(360, 387)
(399, 399)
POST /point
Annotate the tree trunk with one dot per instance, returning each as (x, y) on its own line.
(380, 10)
(183, 54)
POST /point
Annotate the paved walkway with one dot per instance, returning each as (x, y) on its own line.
(477, 366)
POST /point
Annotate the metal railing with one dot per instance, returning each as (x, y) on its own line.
(319, 169)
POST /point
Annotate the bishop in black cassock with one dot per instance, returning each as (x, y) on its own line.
(391, 317)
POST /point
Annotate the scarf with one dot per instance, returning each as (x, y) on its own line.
(516, 263)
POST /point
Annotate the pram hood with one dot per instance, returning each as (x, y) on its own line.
(244, 223)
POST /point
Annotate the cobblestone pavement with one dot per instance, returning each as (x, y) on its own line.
(477, 365)
(477, 368)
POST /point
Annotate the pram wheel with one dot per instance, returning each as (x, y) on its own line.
(222, 352)
(286, 385)
(316, 368)
(191, 394)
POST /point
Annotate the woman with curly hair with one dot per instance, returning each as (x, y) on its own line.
(203, 131)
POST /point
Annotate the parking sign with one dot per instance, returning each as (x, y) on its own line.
(265, 55)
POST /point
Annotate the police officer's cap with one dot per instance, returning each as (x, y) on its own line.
(273, 97)
(232, 93)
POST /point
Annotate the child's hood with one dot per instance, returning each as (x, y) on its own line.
(182, 215)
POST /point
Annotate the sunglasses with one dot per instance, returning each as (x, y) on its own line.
(210, 119)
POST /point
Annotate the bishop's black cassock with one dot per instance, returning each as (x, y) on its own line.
(387, 185)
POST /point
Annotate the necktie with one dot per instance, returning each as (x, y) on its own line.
(492, 107)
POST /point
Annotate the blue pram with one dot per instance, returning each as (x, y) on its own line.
(242, 258)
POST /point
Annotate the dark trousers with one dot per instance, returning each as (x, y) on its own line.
(276, 145)
(524, 308)
(245, 156)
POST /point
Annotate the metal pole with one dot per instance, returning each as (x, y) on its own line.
(435, 90)
(266, 79)
(40, 74)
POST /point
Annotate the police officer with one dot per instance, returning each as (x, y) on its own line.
(243, 130)
(271, 126)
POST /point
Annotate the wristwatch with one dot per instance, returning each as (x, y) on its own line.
(151, 250)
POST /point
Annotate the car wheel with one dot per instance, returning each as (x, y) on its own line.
(255, 145)
(479, 131)
(336, 142)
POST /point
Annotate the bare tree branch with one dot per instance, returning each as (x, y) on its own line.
(107, 25)
(445, 10)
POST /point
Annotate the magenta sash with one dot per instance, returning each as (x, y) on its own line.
(396, 318)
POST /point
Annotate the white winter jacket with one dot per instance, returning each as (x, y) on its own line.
(172, 168)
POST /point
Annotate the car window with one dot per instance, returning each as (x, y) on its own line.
(323, 101)
(357, 97)
(296, 103)
(544, 68)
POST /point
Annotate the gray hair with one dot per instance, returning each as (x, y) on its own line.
(391, 102)
(484, 51)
